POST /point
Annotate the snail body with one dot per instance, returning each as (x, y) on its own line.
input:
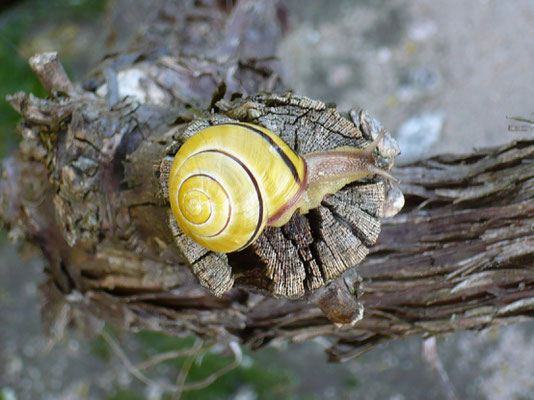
(229, 181)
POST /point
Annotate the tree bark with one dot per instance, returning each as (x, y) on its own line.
(459, 256)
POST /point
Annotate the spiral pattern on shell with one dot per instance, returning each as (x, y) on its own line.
(228, 181)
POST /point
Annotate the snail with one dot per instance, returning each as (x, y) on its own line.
(228, 181)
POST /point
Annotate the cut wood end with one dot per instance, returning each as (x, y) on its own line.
(43, 58)
(51, 73)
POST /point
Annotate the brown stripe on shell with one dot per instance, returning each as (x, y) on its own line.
(278, 149)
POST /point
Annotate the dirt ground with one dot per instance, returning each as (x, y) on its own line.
(442, 77)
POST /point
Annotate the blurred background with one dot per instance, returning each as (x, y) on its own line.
(441, 76)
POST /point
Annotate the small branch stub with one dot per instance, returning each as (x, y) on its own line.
(51, 73)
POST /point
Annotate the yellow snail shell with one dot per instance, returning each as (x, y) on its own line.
(228, 181)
